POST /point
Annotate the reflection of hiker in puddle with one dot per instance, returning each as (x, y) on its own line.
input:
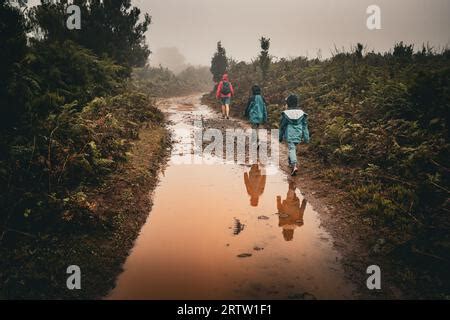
(290, 212)
(255, 182)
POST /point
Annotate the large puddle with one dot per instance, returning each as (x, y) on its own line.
(229, 232)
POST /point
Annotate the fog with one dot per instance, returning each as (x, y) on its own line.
(296, 27)
(169, 57)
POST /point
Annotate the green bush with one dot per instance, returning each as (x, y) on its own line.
(379, 122)
(73, 148)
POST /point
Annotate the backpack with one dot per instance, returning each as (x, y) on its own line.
(226, 90)
(257, 111)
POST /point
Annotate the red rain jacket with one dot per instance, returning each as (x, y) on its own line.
(219, 89)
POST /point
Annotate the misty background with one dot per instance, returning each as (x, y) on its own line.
(296, 27)
(186, 32)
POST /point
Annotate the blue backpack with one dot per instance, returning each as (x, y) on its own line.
(257, 111)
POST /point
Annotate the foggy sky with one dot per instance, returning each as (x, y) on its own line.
(296, 27)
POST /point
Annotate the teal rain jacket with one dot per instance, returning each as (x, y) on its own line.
(256, 111)
(294, 126)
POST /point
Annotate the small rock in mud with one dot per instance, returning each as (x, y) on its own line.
(308, 296)
(256, 248)
(296, 296)
(238, 227)
(263, 218)
(284, 215)
(302, 296)
(244, 255)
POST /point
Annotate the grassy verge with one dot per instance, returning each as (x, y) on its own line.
(95, 231)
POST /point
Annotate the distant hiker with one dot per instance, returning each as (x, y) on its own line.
(290, 212)
(255, 183)
(256, 111)
(224, 92)
(293, 129)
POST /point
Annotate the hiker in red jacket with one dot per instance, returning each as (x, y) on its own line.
(224, 92)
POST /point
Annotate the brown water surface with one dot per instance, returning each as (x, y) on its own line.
(229, 232)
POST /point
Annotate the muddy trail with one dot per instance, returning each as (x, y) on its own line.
(229, 231)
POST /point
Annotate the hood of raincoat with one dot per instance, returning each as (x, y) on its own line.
(294, 116)
(294, 126)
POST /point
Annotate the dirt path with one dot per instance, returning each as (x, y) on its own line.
(233, 231)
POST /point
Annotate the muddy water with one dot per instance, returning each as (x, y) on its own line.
(229, 232)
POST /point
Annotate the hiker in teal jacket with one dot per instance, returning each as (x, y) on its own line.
(293, 129)
(256, 112)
